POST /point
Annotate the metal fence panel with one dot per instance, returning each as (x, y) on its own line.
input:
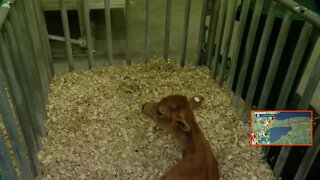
(242, 23)
(229, 29)
(294, 65)
(25, 72)
(249, 46)
(13, 128)
(220, 26)
(47, 64)
(275, 60)
(259, 59)
(29, 11)
(16, 73)
(32, 75)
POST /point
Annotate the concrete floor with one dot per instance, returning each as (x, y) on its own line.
(157, 24)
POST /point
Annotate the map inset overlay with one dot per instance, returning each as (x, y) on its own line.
(281, 127)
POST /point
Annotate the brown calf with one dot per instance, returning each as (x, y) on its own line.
(174, 113)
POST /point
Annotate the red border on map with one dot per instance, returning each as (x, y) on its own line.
(311, 127)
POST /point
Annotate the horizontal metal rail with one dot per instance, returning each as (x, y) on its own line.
(4, 11)
(304, 12)
(82, 43)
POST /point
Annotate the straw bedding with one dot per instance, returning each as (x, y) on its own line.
(96, 129)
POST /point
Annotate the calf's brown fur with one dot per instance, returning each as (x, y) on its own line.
(175, 114)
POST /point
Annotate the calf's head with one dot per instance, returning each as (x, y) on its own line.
(171, 112)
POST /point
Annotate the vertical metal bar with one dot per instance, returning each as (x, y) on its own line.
(222, 20)
(311, 85)
(45, 46)
(86, 14)
(107, 17)
(128, 31)
(294, 65)
(32, 60)
(4, 10)
(229, 29)
(66, 31)
(6, 167)
(309, 157)
(248, 49)
(212, 30)
(312, 151)
(185, 33)
(28, 14)
(80, 17)
(281, 161)
(27, 21)
(167, 30)
(147, 32)
(46, 41)
(14, 131)
(201, 30)
(31, 79)
(259, 59)
(278, 49)
(238, 41)
(15, 71)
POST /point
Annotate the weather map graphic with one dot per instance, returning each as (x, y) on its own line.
(292, 128)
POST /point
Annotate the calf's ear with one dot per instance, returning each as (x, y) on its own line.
(196, 101)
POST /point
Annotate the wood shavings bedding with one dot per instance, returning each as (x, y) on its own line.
(96, 129)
